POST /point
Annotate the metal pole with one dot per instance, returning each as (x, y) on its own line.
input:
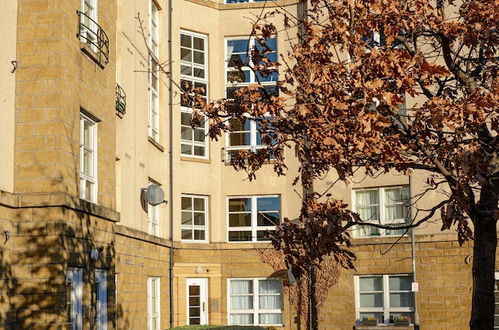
(170, 158)
(413, 253)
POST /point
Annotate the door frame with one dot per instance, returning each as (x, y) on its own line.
(203, 293)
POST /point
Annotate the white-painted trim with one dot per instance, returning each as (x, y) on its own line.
(74, 278)
(203, 297)
(157, 292)
(254, 217)
(255, 311)
(94, 148)
(386, 309)
(101, 299)
(206, 218)
(199, 80)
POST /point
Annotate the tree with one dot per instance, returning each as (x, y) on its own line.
(379, 85)
(324, 275)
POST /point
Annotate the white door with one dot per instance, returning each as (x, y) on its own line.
(197, 301)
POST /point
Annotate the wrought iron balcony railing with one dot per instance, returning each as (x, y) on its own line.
(120, 101)
(91, 33)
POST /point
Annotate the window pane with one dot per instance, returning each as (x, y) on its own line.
(185, 40)
(408, 315)
(186, 133)
(199, 135)
(237, 46)
(268, 219)
(240, 220)
(371, 300)
(267, 204)
(373, 283)
(199, 151)
(239, 204)
(186, 70)
(199, 73)
(186, 54)
(401, 299)
(198, 43)
(185, 118)
(263, 235)
(198, 57)
(199, 219)
(186, 149)
(270, 318)
(194, 311)
(269, 286)
(199, 235)
(199, 204)
(379, 316)
(186, 203)
(239, 236)
(241, 302)
(270, 302)
(400, 283)
(241, 287)
(186, 218)
(241, 318)
(186, 234)
(240, 139)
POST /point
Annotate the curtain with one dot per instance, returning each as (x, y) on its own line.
(241, 294)
(270, 318)
(241, 318)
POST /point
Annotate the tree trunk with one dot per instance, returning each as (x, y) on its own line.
(484, 261)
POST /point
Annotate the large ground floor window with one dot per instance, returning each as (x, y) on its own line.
(255, 301)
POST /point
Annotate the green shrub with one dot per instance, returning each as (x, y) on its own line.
(218, 327)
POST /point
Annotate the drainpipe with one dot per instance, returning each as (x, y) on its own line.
(413, 252)
(170, 154)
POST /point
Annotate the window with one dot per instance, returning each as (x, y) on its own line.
(193, 74)
(384, 297)
(101, 299)
(153, 303)
(75, 280)
(250, 218)
(88, 22)
(88, 159)
(194, 218)
(153, 113)
(153, 216)
(255, 302)
(245, 135)
(388, 206)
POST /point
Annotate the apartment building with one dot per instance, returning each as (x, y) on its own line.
(87, 126)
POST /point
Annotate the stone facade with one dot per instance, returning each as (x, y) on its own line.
(46, 229)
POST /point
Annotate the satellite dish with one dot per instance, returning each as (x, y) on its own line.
(154, 195)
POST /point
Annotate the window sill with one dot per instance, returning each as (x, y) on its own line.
(383, 327)
(195, 159)
(156, 144)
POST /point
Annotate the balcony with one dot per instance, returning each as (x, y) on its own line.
(120, 101)
(93, 38)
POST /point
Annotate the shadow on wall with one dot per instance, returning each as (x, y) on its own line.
(35, 292)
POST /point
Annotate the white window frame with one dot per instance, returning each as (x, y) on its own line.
(74, 278)
(153, 314)
(93, 149)
(253, 146)
(93, 6)
(256, 302)
(194, 80)
(254, 218)
(381, 206)
(196, 227)
(153, 106)
(386, 309)
(101, 299)
(153, 216)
